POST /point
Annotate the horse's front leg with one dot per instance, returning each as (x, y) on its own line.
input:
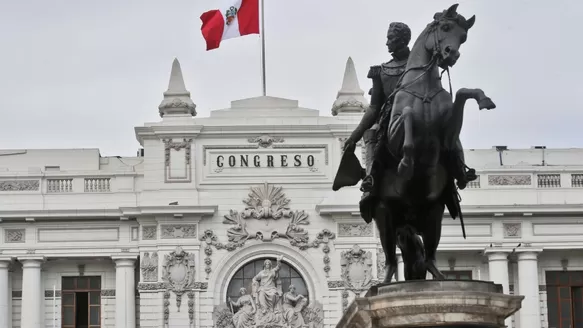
(431, 237)
(401, 136)
(384, 222)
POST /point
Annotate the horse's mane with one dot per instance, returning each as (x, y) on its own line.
(458, 19)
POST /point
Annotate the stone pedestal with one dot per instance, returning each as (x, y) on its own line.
(432, 303)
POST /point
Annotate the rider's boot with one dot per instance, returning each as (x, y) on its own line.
(462, 176)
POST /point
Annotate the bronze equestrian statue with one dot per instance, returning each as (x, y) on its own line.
(419, 156)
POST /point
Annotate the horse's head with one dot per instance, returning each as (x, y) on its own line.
(446, 34)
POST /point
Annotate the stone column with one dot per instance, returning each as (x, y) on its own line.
(5, 293)
(528, 287)
(498, 271)
(400, 268)
(125, 292)
(32, 293)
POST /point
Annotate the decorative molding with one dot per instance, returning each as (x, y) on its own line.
(178, 273)
(351, 104)
(14, 236)
(265, 141)
(108, 292)
(151, 286)
(19, 185)
(355, 230)
(381, 263)
(510, 180)
(149, 232)
(177, 103)
(512, 230)
(175, 231)
(149, 267)
(356, 268)
(170, 145)
(191, 307)
(166, 307)
(334, 284)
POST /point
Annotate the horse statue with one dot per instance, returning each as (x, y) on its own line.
(423, 156)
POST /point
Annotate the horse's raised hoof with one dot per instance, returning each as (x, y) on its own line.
(405, 170)
(486, 103)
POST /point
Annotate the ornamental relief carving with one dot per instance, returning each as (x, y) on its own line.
(149, 232)
(356, 268)
(19, 185)
(178, 273)
(149, 267)
(169, 147)
(267, 216)
(510, 180)
(14, 235)
(175, 231)
(265, 141)
(355, 230)
(512, 230)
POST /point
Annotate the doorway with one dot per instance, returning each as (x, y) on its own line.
(81, 302)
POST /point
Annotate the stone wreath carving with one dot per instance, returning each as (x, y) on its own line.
(149, 267)
(267, 216)
(178, 273)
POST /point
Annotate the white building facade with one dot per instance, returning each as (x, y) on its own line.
(166, 238)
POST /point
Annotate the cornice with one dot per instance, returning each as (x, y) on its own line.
(111, 213)
(474, 210)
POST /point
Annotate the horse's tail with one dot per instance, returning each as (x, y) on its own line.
(413, 252)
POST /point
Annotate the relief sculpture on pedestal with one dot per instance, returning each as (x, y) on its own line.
(268, 306)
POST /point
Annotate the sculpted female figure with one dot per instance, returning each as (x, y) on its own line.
(265, 289)
(244, 318)
(293, 304)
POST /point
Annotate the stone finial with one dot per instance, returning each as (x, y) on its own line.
(350, 98)
(177, 99)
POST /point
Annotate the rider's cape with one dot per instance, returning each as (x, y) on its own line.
(349, 171)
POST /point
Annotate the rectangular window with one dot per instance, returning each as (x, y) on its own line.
(81, 302)
(565, 299)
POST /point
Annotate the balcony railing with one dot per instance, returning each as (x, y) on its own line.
(97, 185)
(59, 185)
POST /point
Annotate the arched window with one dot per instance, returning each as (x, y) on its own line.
(244, 278)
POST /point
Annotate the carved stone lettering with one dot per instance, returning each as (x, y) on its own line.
(512, 230)
(186, 231)
(19, 185)
(509, 180)
(149, 267)
(355, 230)
(149, 232)
(14, 236)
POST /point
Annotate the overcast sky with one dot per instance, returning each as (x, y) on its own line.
(83, 74)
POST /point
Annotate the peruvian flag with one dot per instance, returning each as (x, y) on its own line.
(236, 18)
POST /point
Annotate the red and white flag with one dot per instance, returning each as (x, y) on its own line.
(237, 18)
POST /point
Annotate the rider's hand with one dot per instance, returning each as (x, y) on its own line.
(350, 144)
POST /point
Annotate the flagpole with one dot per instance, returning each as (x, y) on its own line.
(263, 82)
